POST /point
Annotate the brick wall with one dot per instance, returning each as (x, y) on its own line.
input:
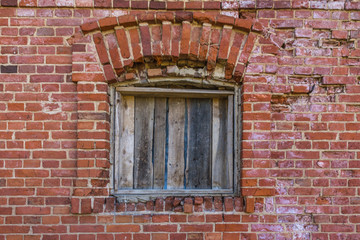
(301, 112)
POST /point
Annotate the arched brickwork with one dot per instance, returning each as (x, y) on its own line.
(135, 48)
(219, 45)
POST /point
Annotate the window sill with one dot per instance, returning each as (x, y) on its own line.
(141, 195)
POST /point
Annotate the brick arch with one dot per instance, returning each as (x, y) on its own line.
(161, 44)
(201, 46)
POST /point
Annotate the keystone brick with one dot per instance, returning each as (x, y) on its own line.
(108, 23)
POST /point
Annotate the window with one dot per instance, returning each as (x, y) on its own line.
(170, 141)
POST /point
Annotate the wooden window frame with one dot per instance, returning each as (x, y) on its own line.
(146, 194)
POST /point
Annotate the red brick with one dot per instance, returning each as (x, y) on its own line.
(204, 17)
(123, 43)
(108, 23)
(89, 27)
(88, 77)
(100, 48)
(231, 227)
(145, 40)
(147, 17)
(175, 5)
(224, 45)
(160, 228)
(196, 228)
(249, 44)
(86, 228)
(127, 20)
(185, 39)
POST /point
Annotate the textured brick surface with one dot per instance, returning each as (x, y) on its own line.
(298, 66)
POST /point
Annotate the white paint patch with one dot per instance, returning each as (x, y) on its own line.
(117, 13)
(50, 108)
(320, 164)
(230, 13)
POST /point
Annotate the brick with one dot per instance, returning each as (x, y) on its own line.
(157, 5)
(204, 41)
(204, 17)
(102, 3)
(100, 48)
(338, 80)
(249, 44)
(9, 3)
(175, 5)
(196, 228)
(183, 16)
(160, 228)
(123, 228)
(136, 50)
(86, 228)
(14, 229)
(165, 16)
(108, 23)
(321, 24)
(145, 40)
(121, 4)
(127, 20)
(166, 39)
(224, 44)
(225, 20)
(88, 77)
(195, 5)
(212, 5)
(243, 24)
(185, 39)
(123, 43)
(139, 5)
(154, 72)
(230, 227)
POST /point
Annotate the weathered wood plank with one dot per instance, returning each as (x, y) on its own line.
(176, 119)
(173, 92)
(159, 142)
(220, 165)
(198, 167)
(144, 124)
(125, 148)
(230, 141)
(113, 130)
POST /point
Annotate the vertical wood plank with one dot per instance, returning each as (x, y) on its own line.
(198, 169)
(113, 129)
(220, 165)
(159, 142)
(230, 140)
(176, 119)
(144, 123)
(125, 148)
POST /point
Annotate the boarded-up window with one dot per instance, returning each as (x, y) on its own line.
(173, 141)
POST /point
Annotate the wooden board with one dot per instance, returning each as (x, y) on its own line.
(125, 148)
(159, 142)
(220, 166)
(144, 123)
(230, 142)
(173, 92)
(176, 119)
(198, 167)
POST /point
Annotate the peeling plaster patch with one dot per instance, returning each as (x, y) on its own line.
(117, 13)
(269, 204)
(231, 13)
(230, 5)
(50, 108)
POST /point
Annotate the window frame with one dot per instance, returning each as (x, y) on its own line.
(146, 194)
